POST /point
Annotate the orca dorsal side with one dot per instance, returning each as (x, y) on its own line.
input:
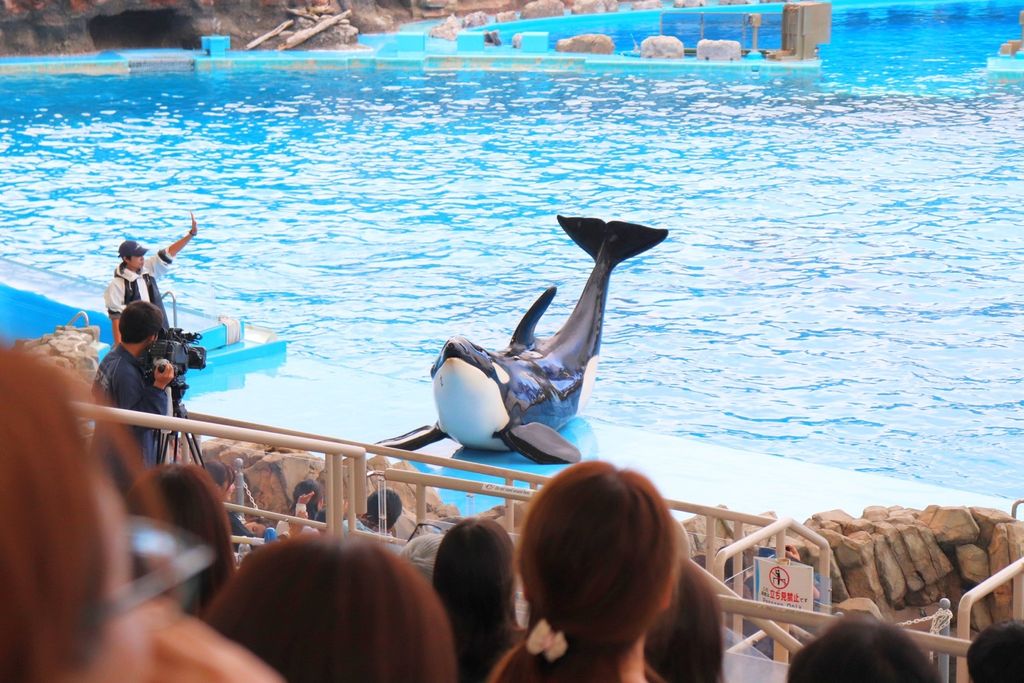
(523, 339)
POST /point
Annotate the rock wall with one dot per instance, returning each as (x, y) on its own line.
(78, 26)
(71, 348)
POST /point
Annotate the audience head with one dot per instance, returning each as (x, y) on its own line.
(139, 321)
(66, 553)
(857, 649)
(394, 510)
(193, 504)
(305, 487)
(685, 644)
(317, 609)
(997, 654)
(421, 552)
(597, 556)
(474, 576)
(223, 476)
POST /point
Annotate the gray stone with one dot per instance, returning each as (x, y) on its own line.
(542, 8)
(689, 3)
(447, 29)
(474, 19)
(719, 51)
(505, 17)
(646, 4)
(661, 47)
(588, 43)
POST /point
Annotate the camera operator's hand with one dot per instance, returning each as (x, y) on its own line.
(163, 374)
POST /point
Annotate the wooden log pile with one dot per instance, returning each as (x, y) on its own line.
(309, 22)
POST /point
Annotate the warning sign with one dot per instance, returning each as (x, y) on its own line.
(787, 584)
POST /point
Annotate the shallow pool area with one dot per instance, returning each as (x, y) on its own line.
(840, 286)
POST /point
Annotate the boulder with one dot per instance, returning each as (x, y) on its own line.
(952, 526)
(840, 516)
(856, 525)
(850, 552)
(1006, 546)
(719, 51)
(913, 580)
(505, 17)
(860, 606)
(73, 349)
(542, 8)
(987, 518)
(875, 513)
(981, 616)
(689, 3)
(589, 7)
(646, 4)
(697, 528)
(661, 47)
(474, 19)
(890, 574)
(862, 579)
(447, 29)
(973, 563)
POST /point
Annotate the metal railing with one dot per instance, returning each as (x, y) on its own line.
(337, 456)
(1013, 508)
(1014, 573)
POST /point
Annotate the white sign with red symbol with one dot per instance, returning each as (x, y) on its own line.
(785, 583)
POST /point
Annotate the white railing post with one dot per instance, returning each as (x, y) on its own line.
(335, 496)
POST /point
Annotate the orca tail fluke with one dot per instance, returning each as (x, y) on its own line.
(615, 240)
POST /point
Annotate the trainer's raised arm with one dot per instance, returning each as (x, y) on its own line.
(173, 250)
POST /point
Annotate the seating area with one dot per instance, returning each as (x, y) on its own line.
(536, 590)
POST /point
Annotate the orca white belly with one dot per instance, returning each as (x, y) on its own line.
(470, 408)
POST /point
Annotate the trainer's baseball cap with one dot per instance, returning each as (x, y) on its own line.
(131, 248)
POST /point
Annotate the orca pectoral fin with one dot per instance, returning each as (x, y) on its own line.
(417, 438)
(540, 443)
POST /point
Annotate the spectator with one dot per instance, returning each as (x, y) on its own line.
(71, 611)
(223, 478)
(685, 645)
(858, 649)
(393, 510)
(135, 277)
(192, 503)
(319, 610)
(597, 557)
(310, 494)
(421, 552)
(122, 381)
(474, 576)
(997, 654)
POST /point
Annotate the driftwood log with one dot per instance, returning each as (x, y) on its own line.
(302, 36)
(270, 34)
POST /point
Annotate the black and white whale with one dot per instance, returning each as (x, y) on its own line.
(517, 398)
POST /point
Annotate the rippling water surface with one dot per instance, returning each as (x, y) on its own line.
(841, 284)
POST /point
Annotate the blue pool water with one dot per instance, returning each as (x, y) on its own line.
(841, 284)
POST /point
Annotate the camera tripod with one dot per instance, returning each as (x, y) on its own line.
(172, 440)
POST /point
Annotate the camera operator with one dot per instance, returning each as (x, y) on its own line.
(135, 277)
(121, 380)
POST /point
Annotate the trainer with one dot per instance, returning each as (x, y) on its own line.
(135, 277)
(121, 379)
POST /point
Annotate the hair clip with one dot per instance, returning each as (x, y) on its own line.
(543, 639)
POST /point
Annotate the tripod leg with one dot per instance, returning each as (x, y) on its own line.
(193, 447)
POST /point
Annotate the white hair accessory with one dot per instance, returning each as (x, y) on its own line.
(543, 640)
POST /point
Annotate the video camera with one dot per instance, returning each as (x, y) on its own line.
(175, 346)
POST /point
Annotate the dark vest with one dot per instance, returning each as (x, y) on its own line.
(131, 292)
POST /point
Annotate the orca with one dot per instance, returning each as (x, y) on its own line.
(517, 398)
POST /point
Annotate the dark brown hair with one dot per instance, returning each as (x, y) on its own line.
(192, 503)
(474, 576)
(54, 565)
(857, 649)
(596, 556)
(320, 609)
(685, 645)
